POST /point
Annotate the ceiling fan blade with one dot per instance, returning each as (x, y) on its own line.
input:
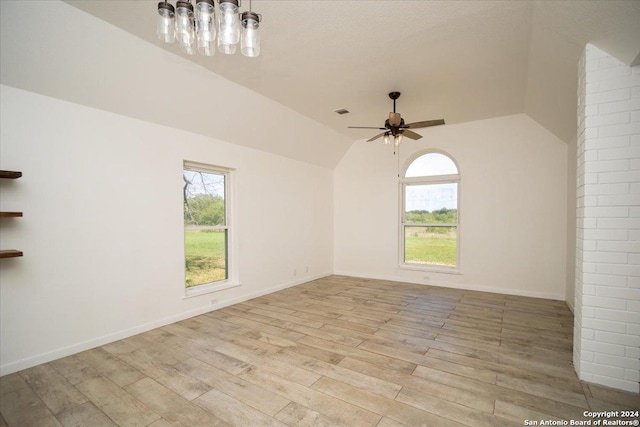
(365, 127)
(376, 137)
(424, 124)
(410, 134)
(395, 119)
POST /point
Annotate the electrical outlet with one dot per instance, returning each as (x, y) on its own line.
(306, 269)
(295, 272)
(426, 278)
(214, 301)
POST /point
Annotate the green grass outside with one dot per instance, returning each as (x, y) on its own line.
(422, 247)
(205, 256)
(205, 252)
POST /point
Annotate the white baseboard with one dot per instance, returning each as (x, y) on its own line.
(465, 286)
(38, 359)
(570, 304)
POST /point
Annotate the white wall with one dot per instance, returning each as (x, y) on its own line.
(607, 297)
(102, 229)
(52, 48)
(513, 203)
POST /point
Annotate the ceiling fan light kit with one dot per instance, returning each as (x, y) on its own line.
(394, 126)
(196, 29)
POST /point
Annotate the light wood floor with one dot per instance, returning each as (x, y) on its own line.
(335, 351)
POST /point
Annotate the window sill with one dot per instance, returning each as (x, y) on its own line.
(208, 289)
(430, 269)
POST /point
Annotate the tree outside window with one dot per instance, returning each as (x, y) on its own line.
(206, 229)
(430, 214)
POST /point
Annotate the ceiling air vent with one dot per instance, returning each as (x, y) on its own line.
(342, 111)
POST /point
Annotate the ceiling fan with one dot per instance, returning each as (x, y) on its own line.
(395, 127)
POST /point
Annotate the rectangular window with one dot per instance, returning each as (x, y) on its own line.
(431, 224)
(206, 224)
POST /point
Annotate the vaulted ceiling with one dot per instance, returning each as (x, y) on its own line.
(457, 60)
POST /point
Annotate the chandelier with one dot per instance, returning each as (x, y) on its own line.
(196, 30)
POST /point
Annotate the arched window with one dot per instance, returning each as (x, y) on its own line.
(430, 212)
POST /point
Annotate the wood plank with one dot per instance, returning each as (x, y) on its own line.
(297, 415)
(292, 373)
(22, 407)
(110, 398)
(472, 370)
(450, 410)
(480, 401)
(12, 382)
(10, 253)
(322, 333)
(54, 390)
(268, 338)
(318, 353)
(171, 406)
(367, 356)
(259, 326)
(374, 385)
(335, 351)
(179, 382)
(233, 411)
(519, 414)
(380, 405)
(159, 344)
(110, 366)
(569, 379)
(336, 409)
(68, 364)
(389, 422)
(206, 352)
(10, 174)
(250, 394)
(453, 348)
(287, 317)
(84, 415)
(543, 405)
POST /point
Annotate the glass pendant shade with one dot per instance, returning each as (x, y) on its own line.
(165, 28)
(199, 29)
(227, 49)
(250, 43)
(397, 140)
(206, 48)
(185, 27)
(205, 26)
(229, 31)
(387, 140)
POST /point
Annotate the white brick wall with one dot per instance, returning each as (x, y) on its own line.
(607, 305)
(582, 355)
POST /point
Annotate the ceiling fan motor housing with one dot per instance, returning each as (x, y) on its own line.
(395, 120)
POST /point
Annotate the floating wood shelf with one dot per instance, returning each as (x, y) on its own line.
(10, 253)
(10, 174)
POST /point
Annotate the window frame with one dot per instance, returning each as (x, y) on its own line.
(403, 183)
(230, 260)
